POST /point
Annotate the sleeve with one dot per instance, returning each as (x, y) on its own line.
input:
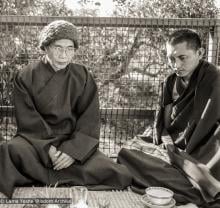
(197, 173)
(159, 121)
(200, 161)
(29, 120)
(85, 139)
(162, 119)
(30, 124)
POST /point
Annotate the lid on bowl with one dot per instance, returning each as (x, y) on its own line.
(159, 192)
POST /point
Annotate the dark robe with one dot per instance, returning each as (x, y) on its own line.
(193, 125)
(61, 109)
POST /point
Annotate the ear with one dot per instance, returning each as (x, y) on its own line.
(201, 52)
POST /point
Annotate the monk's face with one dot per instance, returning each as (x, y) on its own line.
(60, 53)
(183, 59)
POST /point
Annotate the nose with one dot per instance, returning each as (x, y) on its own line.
(176, 64)
(63, 54)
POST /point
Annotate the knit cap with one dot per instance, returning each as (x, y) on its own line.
(57, 30)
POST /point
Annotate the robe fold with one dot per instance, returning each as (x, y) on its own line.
(61, 109)
(193, 170)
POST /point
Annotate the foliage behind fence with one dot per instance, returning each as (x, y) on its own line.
(126, 56)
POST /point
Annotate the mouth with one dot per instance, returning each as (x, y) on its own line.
(179, 71)
(62, 63)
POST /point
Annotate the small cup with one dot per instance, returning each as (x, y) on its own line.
(79, 195)
(103, 202)
(159, 195)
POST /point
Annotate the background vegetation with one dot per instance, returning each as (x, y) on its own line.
(128, 68)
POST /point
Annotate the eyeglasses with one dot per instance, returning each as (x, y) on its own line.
(59, 49)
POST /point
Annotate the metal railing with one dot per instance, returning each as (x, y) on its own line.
(126, 56)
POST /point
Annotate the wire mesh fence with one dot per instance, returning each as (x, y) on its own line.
(126, 56)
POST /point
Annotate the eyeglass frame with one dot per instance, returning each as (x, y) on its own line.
(59, 49)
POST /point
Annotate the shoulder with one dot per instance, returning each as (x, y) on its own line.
(169, 80)
(26, 74)
(209, 72)
(170, 77)
(80, 71)
(210, 67)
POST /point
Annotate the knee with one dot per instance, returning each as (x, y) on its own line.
(14, 146)
(18, 149)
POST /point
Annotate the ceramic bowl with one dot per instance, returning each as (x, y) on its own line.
(159, 195)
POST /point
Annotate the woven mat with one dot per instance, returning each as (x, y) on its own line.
(118, 199)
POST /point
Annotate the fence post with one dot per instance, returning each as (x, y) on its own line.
(214, 43)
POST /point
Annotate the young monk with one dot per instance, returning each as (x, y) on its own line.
(184, 155)
(57, 114)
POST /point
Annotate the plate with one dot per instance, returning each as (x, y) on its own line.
(148, 203)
